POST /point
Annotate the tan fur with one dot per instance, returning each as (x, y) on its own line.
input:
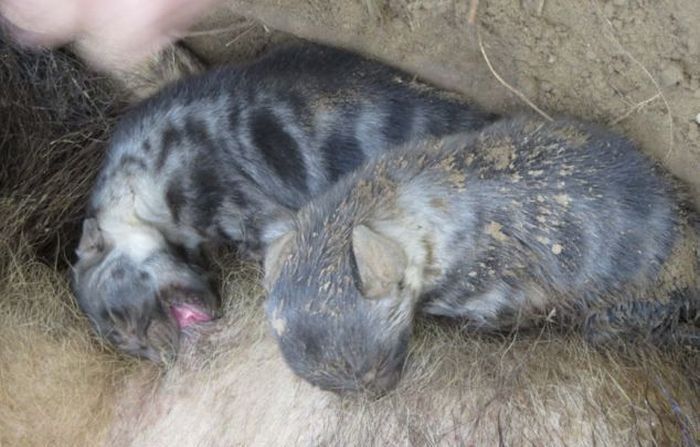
(232, 388)
(168, 65)
(55, 382)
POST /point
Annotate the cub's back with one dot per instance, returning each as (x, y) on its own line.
(286, 125)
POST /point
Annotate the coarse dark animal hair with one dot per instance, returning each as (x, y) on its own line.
(56, 116)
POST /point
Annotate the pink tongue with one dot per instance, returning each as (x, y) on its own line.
(187, 315)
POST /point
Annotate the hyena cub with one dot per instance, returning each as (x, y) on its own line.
(526, 220)
(215, 159)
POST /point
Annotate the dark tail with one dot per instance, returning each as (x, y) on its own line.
(675, 320)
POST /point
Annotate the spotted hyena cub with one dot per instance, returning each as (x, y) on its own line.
(218, 157)
(525, 221)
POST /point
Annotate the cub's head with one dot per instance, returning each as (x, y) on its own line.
(341, 306)
(139, 305)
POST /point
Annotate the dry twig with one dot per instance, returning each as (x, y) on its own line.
(653, 80)
(506, 85)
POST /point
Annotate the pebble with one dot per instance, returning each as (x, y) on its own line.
(697, 118)
(671, 75)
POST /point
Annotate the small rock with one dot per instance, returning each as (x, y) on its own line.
(551, 59)
(671, 75)
(697, 118)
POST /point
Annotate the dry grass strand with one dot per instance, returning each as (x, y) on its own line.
(498, 77)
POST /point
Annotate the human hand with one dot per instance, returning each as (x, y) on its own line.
(109, 33)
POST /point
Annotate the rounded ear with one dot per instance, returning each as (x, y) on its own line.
(381, 261)
(92, 243)
(275, 254)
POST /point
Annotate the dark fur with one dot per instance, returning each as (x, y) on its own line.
(218, 157)
(526, 222)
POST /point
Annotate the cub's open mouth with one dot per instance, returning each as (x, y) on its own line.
(188, 314)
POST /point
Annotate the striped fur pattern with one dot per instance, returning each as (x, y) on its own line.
(216, 158)
(525, 222)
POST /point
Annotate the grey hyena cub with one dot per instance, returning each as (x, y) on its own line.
(524, 221)
(215, 159)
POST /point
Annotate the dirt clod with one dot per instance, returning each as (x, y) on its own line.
(671, 75)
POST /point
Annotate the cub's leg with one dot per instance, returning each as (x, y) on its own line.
(676, 319)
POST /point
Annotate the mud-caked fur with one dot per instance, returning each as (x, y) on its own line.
(216, 158)
(525, 222)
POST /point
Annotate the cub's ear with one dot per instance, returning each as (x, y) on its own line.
(381, 262)
(275, 254)
(92, 243)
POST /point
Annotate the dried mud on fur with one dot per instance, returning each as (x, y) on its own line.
(59, 386)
